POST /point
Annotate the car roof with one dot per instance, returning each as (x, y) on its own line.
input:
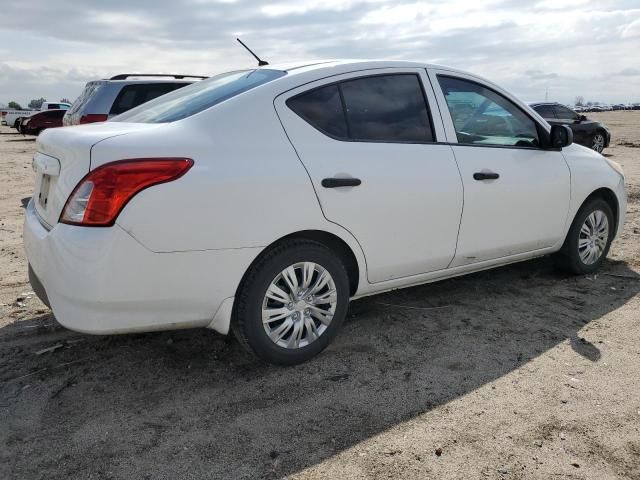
(333, 64)
(537, 104)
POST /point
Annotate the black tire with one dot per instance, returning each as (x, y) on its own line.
(247, 322)
(568, 258)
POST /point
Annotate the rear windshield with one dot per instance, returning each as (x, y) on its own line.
(87, 93)
(195, 98)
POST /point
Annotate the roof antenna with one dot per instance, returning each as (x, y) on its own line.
(261, 63)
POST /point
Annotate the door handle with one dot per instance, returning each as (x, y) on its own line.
(485, 176)
(340, 182)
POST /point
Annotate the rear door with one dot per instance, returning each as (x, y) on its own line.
(368, 141)
(516, 195)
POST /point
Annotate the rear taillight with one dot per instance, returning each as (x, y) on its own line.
(3, 113)
(102, 194)
(93, 117)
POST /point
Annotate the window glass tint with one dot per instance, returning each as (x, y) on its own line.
(483, 117)
(387, 108)
(133, 95)
(53, 106)
(89, 90)
(322, 108)
(545, 111)
(198, 96)
(125, 100)
(565, 113)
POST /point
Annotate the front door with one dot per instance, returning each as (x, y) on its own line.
(367, 140)
(516, 195)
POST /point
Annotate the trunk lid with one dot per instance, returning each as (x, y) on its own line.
(63, 158)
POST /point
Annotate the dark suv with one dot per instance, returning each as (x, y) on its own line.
(102, 99)
(586, 132)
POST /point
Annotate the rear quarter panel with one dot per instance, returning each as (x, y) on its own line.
(247, 187)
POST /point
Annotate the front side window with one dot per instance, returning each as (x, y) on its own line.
(565, 113)
(380, 108)
(545, 111)
(199, 96)
(483, 117)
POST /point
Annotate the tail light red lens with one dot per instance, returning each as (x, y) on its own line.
(102, 194)
(93, 117)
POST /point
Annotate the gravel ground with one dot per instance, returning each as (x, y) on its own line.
(518, 372)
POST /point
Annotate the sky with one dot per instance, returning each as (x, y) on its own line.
(557, 49)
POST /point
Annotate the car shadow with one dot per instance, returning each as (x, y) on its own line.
(23, 140)
(158, 405)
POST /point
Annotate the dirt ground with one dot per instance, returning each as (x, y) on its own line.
(521, 372)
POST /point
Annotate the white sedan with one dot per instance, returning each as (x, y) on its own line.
(263, 200)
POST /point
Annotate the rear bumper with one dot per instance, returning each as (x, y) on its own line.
(38, 288)
(103, 281)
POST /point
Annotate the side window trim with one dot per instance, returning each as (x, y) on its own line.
(370, 75)
(450, 133)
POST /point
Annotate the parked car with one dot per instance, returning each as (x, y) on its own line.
(587, 132)
(35, 124)
(262, 200)
(12, 118)
(103, 99)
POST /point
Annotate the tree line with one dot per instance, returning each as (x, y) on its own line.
(34, 104)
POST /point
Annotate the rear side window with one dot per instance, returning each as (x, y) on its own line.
(53, 106)
(322, 108)
(387, 108)
(136, 94)
(380, 108)
(199, 96)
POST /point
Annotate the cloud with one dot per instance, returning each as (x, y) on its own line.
(540, 75)
(629, 72)
(55, 47)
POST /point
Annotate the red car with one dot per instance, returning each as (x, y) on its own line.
(34, 124)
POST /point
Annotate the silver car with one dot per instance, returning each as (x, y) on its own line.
(102, 99)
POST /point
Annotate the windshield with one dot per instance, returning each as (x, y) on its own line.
(199, 96)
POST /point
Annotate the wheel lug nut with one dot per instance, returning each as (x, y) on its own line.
(290, 306)
(307, 311)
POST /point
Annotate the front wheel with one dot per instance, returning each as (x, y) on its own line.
(597, 142)
(589, 238)
(292, 302)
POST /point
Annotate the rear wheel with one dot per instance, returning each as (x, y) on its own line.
(597, 142)
(589, 238)
(292, 302)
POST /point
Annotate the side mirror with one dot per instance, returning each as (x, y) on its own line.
(561, 136)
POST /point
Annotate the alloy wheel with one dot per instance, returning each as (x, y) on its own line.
(597, 143)
(299, 305)
(593, 237)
